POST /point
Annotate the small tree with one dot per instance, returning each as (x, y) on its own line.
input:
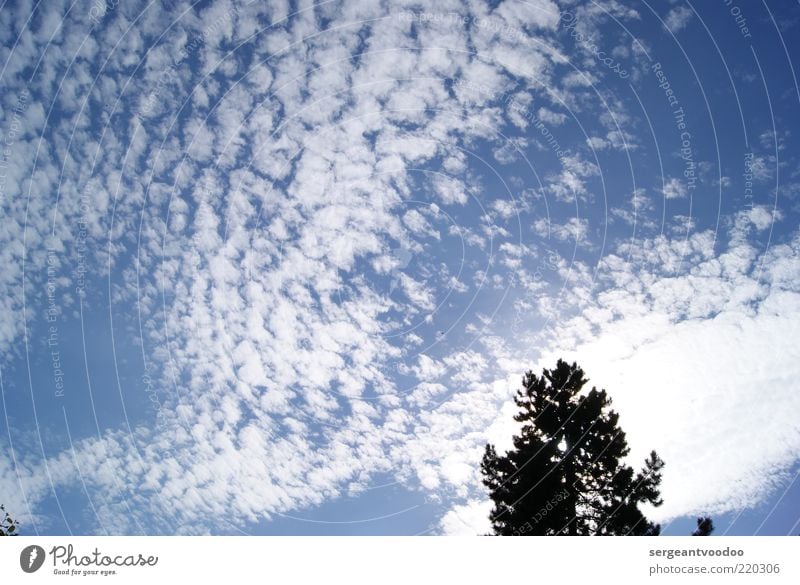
(564, 475)
(8, 526)
(705, 526)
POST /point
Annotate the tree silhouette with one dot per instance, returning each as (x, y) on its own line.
(705, 526)
(8, 526)
(564, 475)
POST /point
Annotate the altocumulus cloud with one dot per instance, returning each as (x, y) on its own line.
(294, 218)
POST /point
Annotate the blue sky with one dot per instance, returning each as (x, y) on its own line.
(278, 268)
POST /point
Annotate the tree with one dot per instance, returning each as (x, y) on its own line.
(8, 526)
(705, 526)
(564, 475)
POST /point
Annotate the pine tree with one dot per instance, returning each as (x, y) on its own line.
(705, 526)
(8, 526)
(564, 475)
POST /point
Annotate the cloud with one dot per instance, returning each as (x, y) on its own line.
(270, 226)
(678, 18)
(673, 189)
(471, 519)
(707, 348)
(254, 247)
(694, 376)
(575, 229)
(704, 340)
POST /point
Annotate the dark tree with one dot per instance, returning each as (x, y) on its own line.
(564, 475)
(8, 526)
(705, 526)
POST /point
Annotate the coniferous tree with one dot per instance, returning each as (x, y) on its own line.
(8, 526)
(705, 526)
(564, 475)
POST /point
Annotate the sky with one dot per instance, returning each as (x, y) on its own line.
(278, 267)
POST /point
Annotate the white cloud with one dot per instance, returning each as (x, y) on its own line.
(697, 354)
(550, 117)
(597, 143)
(678, 18)
(470, 519)
(709, 349)
(575, 229)
(673, 189)
(694, 375)
(450, 190)
(253, 231)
